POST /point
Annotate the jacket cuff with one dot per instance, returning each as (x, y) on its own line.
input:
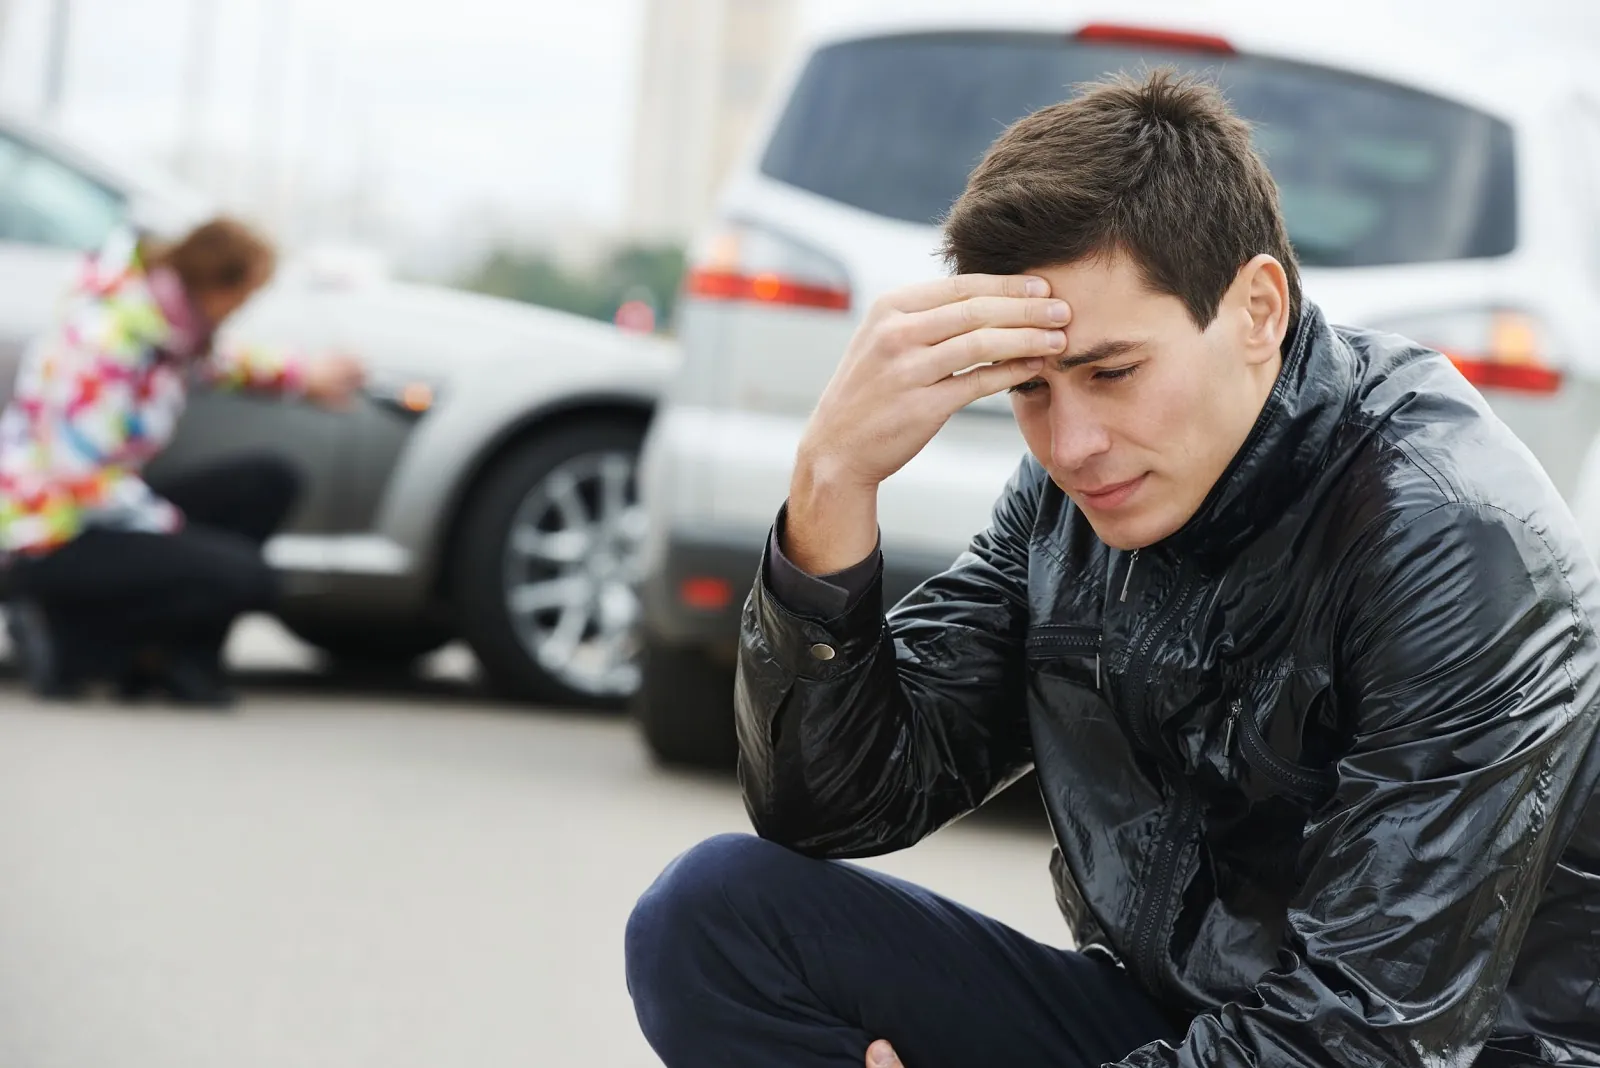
(815, 596)
(819, 648)
(296, 377)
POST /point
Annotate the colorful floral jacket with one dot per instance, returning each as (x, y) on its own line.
(100, 393)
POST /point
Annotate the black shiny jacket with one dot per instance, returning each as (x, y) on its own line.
(1321, 766)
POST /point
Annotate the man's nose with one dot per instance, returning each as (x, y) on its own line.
(1076, 437)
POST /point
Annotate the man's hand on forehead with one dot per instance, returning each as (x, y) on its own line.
(938, 292)
(986, 310)
(920, 354)
(971, 321)
(924, 352)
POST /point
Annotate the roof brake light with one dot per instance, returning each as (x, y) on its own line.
(1149, 37)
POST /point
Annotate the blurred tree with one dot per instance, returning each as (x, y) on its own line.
(632, 272)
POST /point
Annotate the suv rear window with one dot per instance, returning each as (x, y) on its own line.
(1369, 172)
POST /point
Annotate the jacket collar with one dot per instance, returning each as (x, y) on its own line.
(188, 333)
(1286, 449)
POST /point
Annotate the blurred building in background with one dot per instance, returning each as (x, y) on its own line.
(707, 68)
(5, 22)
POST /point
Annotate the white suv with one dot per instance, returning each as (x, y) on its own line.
(1449, 202)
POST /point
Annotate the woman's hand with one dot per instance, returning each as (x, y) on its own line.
(332, 381)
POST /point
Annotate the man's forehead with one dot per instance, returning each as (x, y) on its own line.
(1108, 285)
(1110, 302)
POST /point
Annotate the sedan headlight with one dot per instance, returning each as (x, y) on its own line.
(411, 397)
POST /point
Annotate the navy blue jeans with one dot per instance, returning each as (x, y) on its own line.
(746, 954)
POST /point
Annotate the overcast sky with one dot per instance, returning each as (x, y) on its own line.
(452, 102)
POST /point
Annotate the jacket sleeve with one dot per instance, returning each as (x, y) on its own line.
(816, 596)
(255, 367)
(861, 734)
(81, 398)
(1465, 664)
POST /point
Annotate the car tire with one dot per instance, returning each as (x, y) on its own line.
(368, 649)
(684, 707)
(525, 655)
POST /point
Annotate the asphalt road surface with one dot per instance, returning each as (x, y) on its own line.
(341, 875)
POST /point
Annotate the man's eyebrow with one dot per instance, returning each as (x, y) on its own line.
(1104, 351)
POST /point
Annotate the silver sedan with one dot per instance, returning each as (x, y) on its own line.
(483, 489)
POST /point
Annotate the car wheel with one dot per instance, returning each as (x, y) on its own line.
(361, 648)
(684, 707)
(547, 567)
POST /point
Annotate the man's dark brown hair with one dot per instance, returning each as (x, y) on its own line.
(1159, 169)
(218, 255)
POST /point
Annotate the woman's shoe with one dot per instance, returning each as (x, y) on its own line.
(191, 676)
(137, 684)
(145, 674)
(198, 681)
(47, 667)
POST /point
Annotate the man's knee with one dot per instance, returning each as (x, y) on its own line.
(701, 907)
(694, 890)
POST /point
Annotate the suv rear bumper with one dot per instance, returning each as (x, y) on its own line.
(736, 561)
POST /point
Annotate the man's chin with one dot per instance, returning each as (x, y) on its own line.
(1125, 533)
(1125, 544)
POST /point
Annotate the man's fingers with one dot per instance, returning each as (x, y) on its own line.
(882, 1055)
(963, 389)
(948, 320)
(925, 295)
(986, 345)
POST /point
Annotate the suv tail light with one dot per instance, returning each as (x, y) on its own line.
(1495, 348)
(738, 262)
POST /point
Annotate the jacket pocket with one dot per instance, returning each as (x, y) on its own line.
(1310, 785)
(1070, 650)
(1062, 639)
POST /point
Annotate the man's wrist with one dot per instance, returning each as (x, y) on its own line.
(832, 522)
(817, 597)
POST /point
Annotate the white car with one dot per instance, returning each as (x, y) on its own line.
(484, 488)
(1451, 201)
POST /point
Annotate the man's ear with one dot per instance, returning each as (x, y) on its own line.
(1262, 289)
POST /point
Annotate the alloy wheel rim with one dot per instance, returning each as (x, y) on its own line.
(572, 566)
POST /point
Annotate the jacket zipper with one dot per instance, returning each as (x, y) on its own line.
(1136, 713)
(1061, 639)
(1134, 559)
(1308, 784)
(1067, 639)
(1155, 906)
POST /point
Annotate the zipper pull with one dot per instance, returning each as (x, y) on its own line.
(1234, 709)
(1134, 559)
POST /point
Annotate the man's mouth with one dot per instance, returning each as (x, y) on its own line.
(1109, 494)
